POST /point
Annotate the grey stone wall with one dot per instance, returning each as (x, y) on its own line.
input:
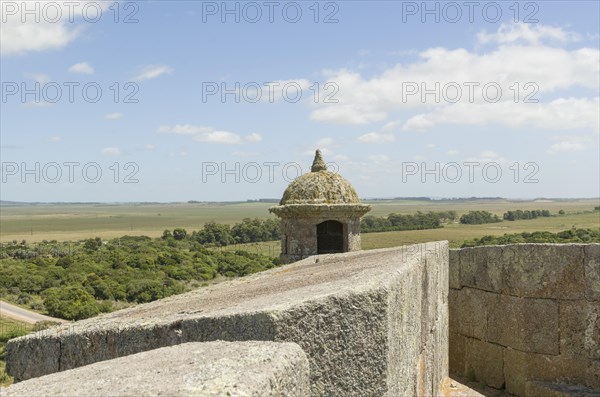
(524, 313)
(257, 369)
(299, 236)
(372, 323)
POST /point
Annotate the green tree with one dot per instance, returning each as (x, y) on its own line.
(479, 217)
(215, 234)
(71, 303)
(179, 234)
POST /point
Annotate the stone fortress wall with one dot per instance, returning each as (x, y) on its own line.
(524, 317)
(389, 322)
(369, 323)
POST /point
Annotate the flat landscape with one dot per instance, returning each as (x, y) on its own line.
(69, 222)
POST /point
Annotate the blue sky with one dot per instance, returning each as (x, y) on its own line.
(371, 62)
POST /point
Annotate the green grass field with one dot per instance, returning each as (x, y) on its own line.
(78, 221)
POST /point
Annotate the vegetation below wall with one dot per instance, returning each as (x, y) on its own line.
(82, 279)
(567, 236)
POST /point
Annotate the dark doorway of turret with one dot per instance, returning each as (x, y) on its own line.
(330, 237)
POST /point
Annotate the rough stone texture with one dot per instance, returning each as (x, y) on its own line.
(454, 269)
(580, 329)
(484, 362)
(481, 268)
(469, 312)
(313, 198)
(592, 272)
(544, 271)
(524, 324)
(372, 323)
(455, 388)
(547, 389)
(521, 367)
(543, 314)
(299, 232)
(190, 369)
(457, 349)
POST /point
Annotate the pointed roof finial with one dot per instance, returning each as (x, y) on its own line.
(318, 164)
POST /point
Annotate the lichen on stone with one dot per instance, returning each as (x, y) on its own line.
(320, 187)
(318, 163)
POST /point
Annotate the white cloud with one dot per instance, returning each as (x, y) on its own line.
(430, 146)
(222, 137)
(41, 78)
(391, 126)
(528, 33)
(450, 72)
(55, 139)
(113, 116)
(375, 137)
(82, 68)
(152, 72)
(208, 134)
(340, 157)
(379, 158)
(570, 144)
(51, 32)
(178, 153)
(325, 142)
(184, 129)
(19, 38)
(149, 146)
(488, 156)
(111, 151)
(254, 137)
(452, 152)
(562, 113)
(418, 123)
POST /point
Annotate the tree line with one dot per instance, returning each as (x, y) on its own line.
(567, 236)
(220, 234)
(479, 217)
(518, 214)
(398, 222)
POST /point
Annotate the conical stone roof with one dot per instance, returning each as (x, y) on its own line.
(319, 187)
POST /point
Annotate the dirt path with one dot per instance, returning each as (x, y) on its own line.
(24, 315)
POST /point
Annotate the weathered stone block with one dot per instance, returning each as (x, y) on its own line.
(368, 322)
(580, 329)
(591, 267)
(548, 389)
(454, 268)
(199, 369)
(468, 312)
(521, 367)
(484, 362)
(544, 271)
(481, 267)
(457, 354)
(525, 324)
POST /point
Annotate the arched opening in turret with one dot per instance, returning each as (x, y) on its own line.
(330, 237)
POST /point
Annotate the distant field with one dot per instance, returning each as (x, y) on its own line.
(455, 233)
(74, 222)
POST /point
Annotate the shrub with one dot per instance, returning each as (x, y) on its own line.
(71, 303)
